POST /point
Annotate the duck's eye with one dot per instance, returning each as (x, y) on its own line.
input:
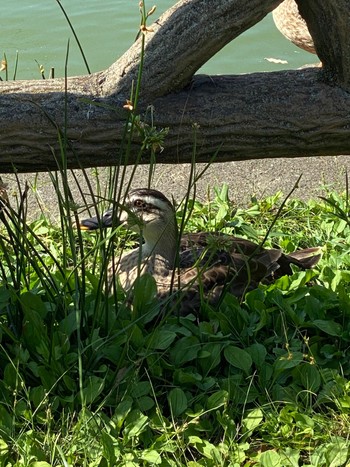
(138, 203)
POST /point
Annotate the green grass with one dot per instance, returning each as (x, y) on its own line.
(91, 379)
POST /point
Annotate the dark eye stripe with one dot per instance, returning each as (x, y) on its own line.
(146, 207)
(141, 192)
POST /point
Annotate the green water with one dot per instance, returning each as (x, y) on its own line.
(39, 32)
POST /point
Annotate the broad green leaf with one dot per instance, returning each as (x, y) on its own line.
(71, 383)
(93, 386)
(37, 396)
(300, 278)
(109, 447)
(290, 457)
(93, 279)
(40, 464)
(186, 377)
(141, 388)
(22, 409)
(69, 324)
(122, 411)
(33, 302)
(152, 456)
(145, 290)
(145, 403)
(318, 456)
(177, 401)
(145, 305)
(252, 420)
(35, 333)
(217, 399)
(258, 353)
(337, 453)
(185, 350)
(162, 339)
(304, 422)
(48, 379)
(136, 336)
(238, 358)
(6, 420)
(4, 297)
(271, 459)
(209, 450)
(310, 377)
(289, 360)
(265, 374)
(329, 327)
(135, 424)
(210, 356)
(339, 277)
(207, 383)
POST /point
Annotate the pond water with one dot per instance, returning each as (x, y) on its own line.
(38, 30)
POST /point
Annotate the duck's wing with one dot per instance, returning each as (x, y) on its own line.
(214, 273)
(219, 241)
(217, 259)
(210, 268)
(306, 258)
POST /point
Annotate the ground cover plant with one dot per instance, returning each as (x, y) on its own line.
(93, 379)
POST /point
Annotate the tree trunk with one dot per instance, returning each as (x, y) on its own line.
(258, 115)
(329, 24)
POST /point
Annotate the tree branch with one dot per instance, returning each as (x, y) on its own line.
(243, 117)
(329, 24)
(185, 37)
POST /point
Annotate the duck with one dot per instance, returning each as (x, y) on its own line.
(193, 264)
(293, 26)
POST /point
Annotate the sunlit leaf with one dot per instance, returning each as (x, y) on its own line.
(252, 420)
(152, 456)
(135, 424)
(271, 459)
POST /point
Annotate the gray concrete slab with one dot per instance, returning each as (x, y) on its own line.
(245, 179)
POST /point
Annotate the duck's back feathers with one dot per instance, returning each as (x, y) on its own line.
(239, 261)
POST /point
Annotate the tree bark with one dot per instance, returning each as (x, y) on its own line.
(250, 116)
(184, 38)
(329, 24)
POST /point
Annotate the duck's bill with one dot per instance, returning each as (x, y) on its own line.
(96, 222)
(90, 224)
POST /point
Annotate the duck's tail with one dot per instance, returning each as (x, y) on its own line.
(304, 259)
(307, 258)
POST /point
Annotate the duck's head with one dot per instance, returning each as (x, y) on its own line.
(144, 211)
